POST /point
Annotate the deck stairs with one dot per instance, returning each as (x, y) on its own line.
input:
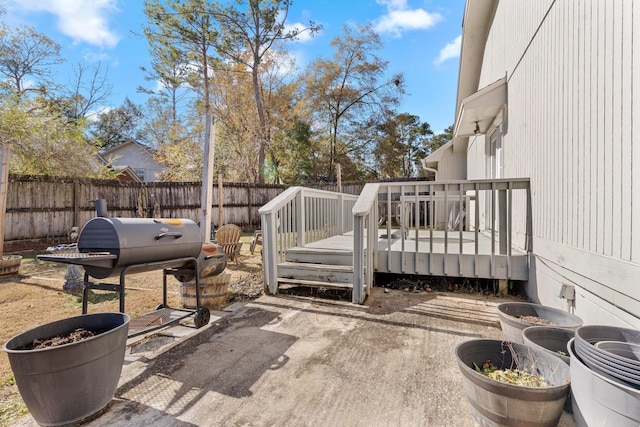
(317, 267)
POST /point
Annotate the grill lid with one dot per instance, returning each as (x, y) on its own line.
(135, 241)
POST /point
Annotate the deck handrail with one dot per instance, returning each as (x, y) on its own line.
(365, 215)
(298, 216)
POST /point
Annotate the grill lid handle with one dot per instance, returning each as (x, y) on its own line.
(174, 234)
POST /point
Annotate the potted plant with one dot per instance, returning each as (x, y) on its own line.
(516, 316)
(64, 384)
(526, 387)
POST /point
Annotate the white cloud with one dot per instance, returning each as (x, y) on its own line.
(85, 21)
(96, 56)
(400, 17)
(451, 50)
(92, 115)
(303, 36)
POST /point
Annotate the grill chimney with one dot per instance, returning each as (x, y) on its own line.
(101, 208)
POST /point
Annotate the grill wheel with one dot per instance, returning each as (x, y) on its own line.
(202, 317)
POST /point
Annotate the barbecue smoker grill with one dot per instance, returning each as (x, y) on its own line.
(109, 247)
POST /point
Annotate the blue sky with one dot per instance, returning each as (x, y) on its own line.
(421, 39)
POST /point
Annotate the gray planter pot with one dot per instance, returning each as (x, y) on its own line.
(553, 341)
(549, 339)
(495, 403)
(68, 383)
(512, 325)
(598, 398)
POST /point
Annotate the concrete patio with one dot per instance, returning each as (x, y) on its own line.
(298, 361)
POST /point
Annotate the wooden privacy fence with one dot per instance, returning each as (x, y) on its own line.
(43, 209)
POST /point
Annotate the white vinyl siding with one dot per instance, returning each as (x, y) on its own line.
(570, 119)
(573, 70)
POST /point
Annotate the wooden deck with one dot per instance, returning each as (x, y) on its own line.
(437, 253)
(343, 254)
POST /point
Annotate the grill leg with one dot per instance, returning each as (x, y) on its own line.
(197, 289)
(164, 288)
(85, 293)
(121, 290)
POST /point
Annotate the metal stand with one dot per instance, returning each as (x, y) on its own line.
(175, 267)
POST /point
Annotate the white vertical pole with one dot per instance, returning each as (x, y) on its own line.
(220, 201)
(207, 179)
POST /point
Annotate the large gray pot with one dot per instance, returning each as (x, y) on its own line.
(495, 403)
(550, 339)
(512, 325)
(67, 383)
(553, 341)
(599, 400)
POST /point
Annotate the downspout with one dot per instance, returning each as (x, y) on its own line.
(435, 171)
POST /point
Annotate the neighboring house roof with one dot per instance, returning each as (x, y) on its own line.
(111, 150)
(125, 173)
(138, 157)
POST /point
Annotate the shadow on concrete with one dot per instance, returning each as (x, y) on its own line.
(230, 364)
(341, 310)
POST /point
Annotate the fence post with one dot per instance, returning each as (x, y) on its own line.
(76, 201)
(249, 207)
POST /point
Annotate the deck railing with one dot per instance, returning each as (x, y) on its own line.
(457, 210)
(499, 208)
(300, 216)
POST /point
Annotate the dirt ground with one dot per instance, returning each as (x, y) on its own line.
(36, 296)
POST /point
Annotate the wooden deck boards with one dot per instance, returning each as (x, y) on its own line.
(438, 253)
(344, 242)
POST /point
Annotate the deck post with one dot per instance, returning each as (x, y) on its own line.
(341, 214)
(503, 287)
(358, 249)
(300, 219)
(269, 252)
(502, 221)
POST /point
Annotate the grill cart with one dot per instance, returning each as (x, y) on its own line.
(112, 247)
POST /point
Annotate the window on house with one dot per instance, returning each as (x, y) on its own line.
(139, 173)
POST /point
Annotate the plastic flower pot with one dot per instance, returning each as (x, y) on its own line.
(553, 341)
(549, 339)
(598, 398)
(512, 323)
(67, 383)
(496, 403)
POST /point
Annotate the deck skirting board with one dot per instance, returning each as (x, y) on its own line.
(455, 265)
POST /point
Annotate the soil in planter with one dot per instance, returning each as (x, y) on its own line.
(537, 320)
(75, 336)
(511, 376)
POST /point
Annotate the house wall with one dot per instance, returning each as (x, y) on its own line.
(136, 157)
(453, 166)
(573, 69)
